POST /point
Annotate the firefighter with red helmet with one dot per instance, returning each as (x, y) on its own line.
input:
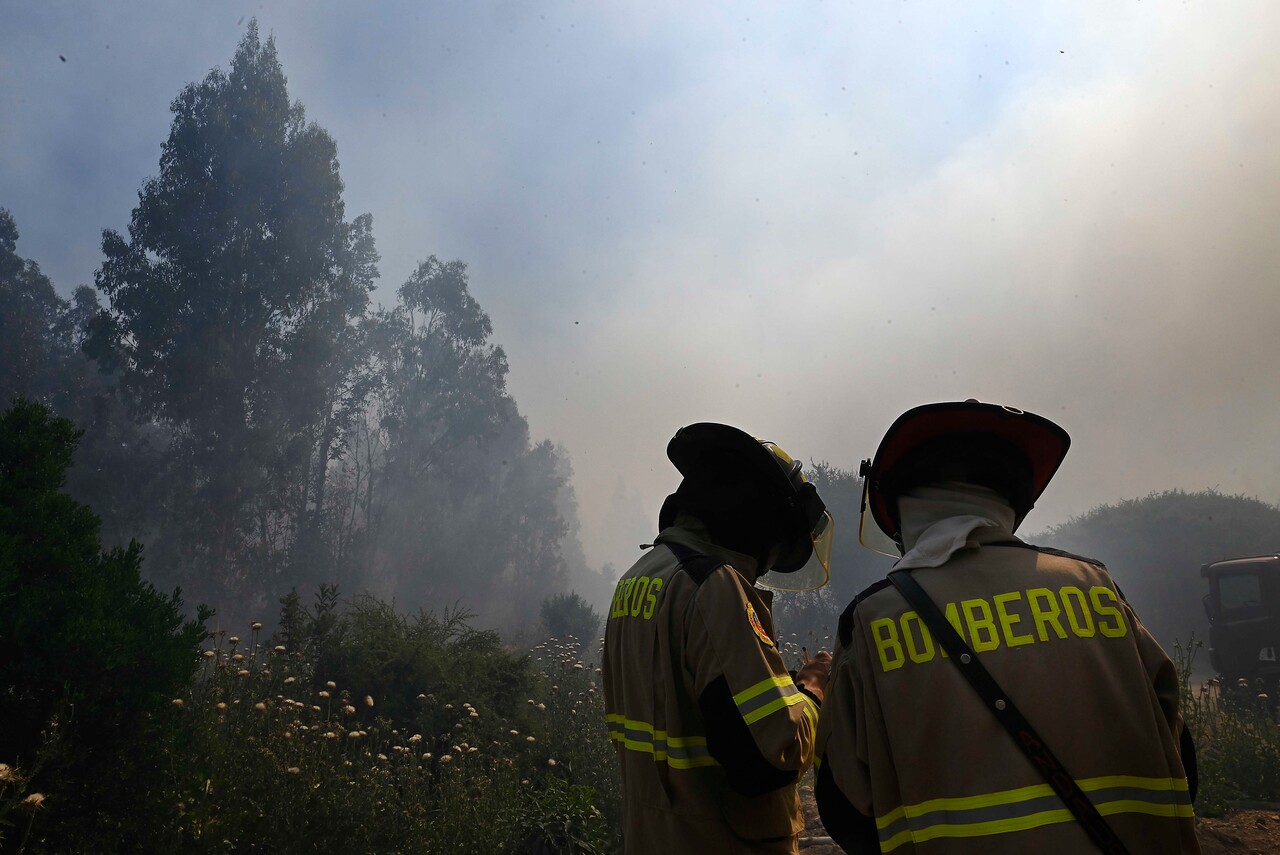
(991, 696)
(712, 732)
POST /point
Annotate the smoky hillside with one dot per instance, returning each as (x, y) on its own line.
(255, 419)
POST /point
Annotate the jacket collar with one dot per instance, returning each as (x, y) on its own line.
(689, 531)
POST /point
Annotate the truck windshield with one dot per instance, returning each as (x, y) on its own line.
(1239, 594)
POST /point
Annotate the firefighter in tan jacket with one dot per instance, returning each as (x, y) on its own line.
(910, 757)
(712, 732)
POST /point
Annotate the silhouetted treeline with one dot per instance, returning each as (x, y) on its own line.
(253, 418)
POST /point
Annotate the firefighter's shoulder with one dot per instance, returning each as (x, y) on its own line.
(845, 629)
(1049, 550)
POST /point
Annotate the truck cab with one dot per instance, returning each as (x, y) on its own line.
(1243, 605)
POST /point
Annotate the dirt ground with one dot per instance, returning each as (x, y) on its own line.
(1243, 832)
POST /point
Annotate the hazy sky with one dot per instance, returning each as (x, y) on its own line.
(799, 218)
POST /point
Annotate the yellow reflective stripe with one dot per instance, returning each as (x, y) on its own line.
(763, 686)
(979, 829)
(773, 706)
(811, 713)
(1133, 781)
(659, 742)
(896, 826)
(1132, 806)
(1022, 794)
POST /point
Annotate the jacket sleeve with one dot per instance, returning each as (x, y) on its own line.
(1164, 680)
(842, 784)
(760, 725)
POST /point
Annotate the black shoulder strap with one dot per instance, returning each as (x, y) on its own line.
(1024, 735)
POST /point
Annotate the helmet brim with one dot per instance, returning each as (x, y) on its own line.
(1043, 443)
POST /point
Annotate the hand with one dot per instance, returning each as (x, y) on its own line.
(815, 673)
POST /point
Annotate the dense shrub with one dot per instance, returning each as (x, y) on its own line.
(1238, 744)
(570, 616)
(87, 649)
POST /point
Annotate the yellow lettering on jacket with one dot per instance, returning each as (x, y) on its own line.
(636, 597)
(1008, 620)
(923, 651)
(1078, 615)
(885, 632)
(991, 623)
(982, 631)
(1046, 614)
(1117, 629)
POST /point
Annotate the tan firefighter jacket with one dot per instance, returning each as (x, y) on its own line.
(911, 761)
(711, 732)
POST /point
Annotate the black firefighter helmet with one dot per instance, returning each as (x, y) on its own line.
(727, 471)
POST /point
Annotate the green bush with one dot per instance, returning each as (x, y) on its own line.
(1237, 741)
(568, 616)
(87, 649)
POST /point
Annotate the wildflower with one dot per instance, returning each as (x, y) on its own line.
(293, 770)
(426, 756)
(330, 735)
(235, 639)
(525, 782)
(260, 706)
(255, 625)
(266, 675)
(242, 673)
(315, 708)
(382, 757)
(7, 774)
(35, 801)
(221, 706)
(209, 654)
(239, 657)
(288, 734)
(530, 739)
(279, 648)
(348, 709)
(323, 693)
(542, 707)
(355, 734)
(551, 761)
(177, 702)
(417, 737)
(288, 680)
(368, 700)
(448, 706)
(514, 732)
(446, 758)
(472, 750)
(577, 666)
(331, 684)
(421, 696)
(474, 714)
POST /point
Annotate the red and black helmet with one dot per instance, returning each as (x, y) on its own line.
(1012, 451)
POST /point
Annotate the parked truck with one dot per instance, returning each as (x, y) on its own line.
(1243, 605)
